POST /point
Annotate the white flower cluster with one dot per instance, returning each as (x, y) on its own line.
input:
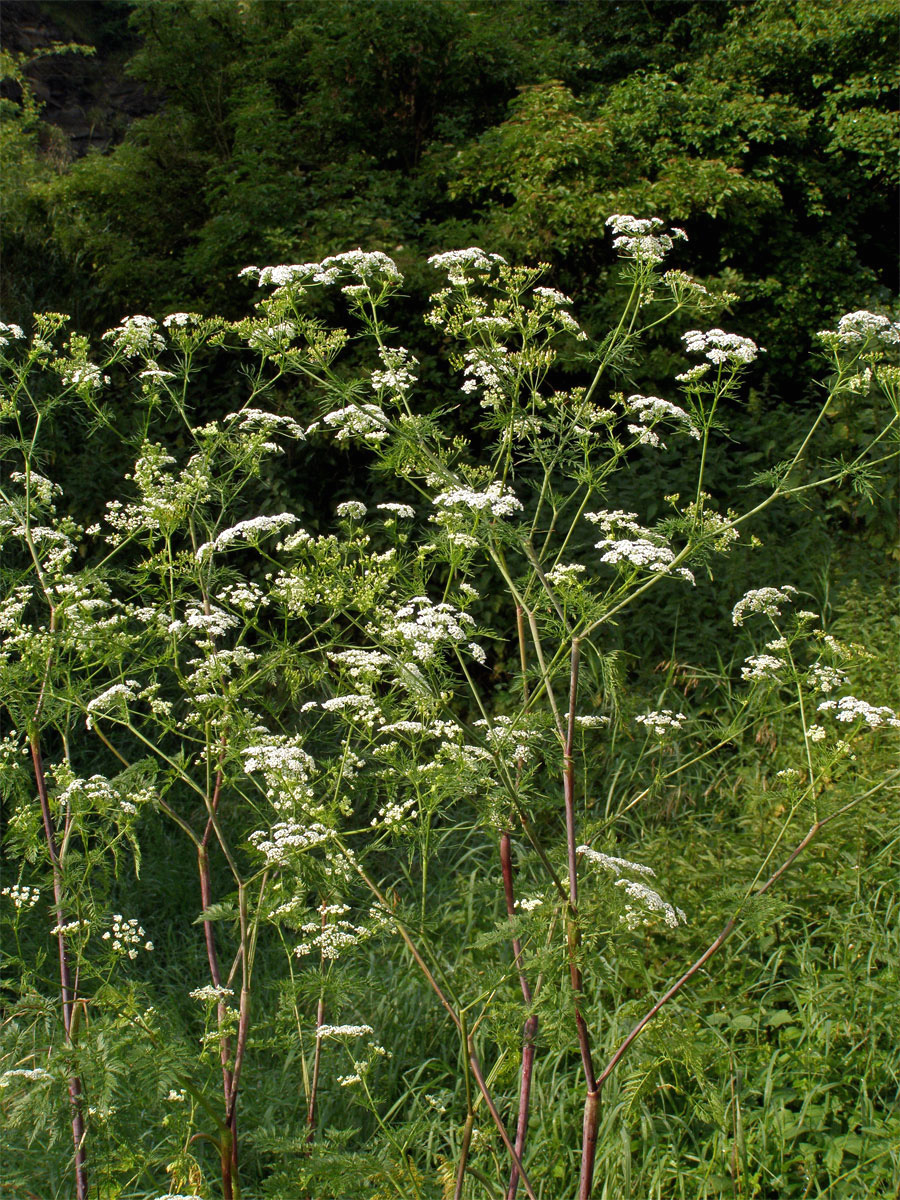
(499, 501)
(565, 575)
(858, 328)
(21, 895)
(276, 336)
(210, 675)
(421, 627)
(136, 336)
(84, 607)
(10, 333)
(208, 625)
(285, 274)
(405, 727)
(507, 740)
(70, 927)
(761, 666)
(31, 1074)
(288, 839)
(361, 664)
(164, 495)
(83, 375)
(493, 324)
(718, 348)
(210, 993)
(459, 263)
(285, 766)
(369, 266)
(825, 678)
(552, 296)
(617, 519)
(591, 721)
(553, 304)
(361, 1068)
(486, 368)
(115, 697)
(848, 709)
(98, 794)
(353, 510)
(41, 488)
(405, 512)
(766, 600)
(718, 527)
(359, 705)
(54, 547)
(662, 722)
(155, 374)
(244, 595)
(249, 531)
(181, 320)
(649, 901)
(396, 813)
(652, 409)
(640, 237)
(329, 1031)
(126, 936)
(257, 420)
(610, 863)
(641, 553)
(365, 421)
(683, 284)
(330, 939)
(645, 549)
(397, 375)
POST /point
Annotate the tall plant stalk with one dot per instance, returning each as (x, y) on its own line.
(68, 989)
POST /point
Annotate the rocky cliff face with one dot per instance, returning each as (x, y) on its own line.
(89, 98)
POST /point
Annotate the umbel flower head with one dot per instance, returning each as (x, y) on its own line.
(641, 239)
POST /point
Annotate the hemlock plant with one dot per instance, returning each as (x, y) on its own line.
(316, 715)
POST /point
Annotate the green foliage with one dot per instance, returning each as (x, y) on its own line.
(747, 142)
